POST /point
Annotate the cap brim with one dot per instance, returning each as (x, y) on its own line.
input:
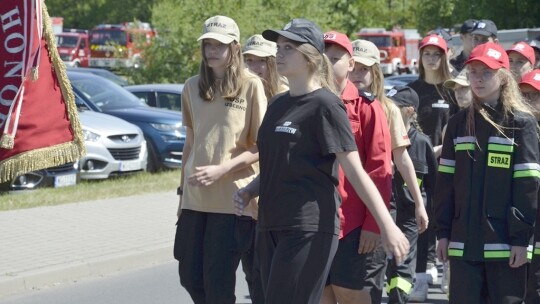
(259, 53)
(482, 33)
(365, 61)
(272, 35)
(219, 37)
(535, 85)
(451, 83)
(492, 64)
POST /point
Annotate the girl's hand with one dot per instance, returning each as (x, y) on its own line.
(206, 175)
(369, 241)
(241, 199)
(395, 243)
(518, 256)
(442, 250)
(422, 220)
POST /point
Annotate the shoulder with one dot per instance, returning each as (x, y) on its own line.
(191, 80)
(523, 119)
(250, 79)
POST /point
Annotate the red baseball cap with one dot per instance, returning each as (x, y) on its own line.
(339, 39)
(532, 78)
(434, 40)
(525, 50)
(491, 54)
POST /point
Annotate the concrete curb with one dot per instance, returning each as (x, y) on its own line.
(53, 275)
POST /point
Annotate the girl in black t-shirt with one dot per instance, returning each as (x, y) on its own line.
(304, 136)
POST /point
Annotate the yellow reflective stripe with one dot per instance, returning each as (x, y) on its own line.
(419, 181)
(496, 254)
(527, 173)
(500, 148)
(529, 255)
(536, 250)
(400, 283)
(464, 147)
(447, 169)
(455, 252)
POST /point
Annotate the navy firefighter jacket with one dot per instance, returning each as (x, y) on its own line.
(487, 185)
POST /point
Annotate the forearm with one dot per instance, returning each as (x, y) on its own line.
(254, 187)
(405, 167)
(242, 160)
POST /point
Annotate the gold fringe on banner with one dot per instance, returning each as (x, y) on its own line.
(38, 159)
(58, 154)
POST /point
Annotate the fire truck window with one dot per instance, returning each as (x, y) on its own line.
(379, 41)
(83, 43)
(397, 42)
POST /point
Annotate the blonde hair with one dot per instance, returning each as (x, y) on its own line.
(377, 87)
(273, 83)
(319, 66)
(510, 97)
(231, 85)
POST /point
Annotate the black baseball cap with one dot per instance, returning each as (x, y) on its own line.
(404, 96)
(299, 30)
(442, 33)
(468, 26)
(485, 27)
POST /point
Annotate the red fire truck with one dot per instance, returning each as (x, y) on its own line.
(119, 45)
(73, 47)
(399, 48)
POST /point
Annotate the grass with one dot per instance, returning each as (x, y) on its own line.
(88, 190)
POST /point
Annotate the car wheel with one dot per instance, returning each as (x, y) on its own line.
(153, 164)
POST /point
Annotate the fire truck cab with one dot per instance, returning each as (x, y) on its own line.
(119, 45)
(73, 47)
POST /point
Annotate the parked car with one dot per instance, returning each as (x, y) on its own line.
(59, 176)
(406, 78)
(159, 95)
(103, 73)
(113, 145)
(162, 129)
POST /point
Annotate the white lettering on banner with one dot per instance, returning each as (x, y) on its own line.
(12, 22)
(7, 101)
(17, 67)
(2, 120)
(17, 48)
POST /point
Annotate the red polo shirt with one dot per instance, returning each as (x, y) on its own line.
(370, 129)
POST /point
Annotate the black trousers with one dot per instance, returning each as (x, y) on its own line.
(294, 264)
(427, 243)
(486, 282)
(208, 247)
(533, 280)
(400, 277)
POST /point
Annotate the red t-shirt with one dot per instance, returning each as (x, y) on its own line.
(372, 136)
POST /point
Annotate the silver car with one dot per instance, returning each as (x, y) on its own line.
(114, 146)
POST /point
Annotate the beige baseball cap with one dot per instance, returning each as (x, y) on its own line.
(258, 46)
(460, 79)
(365, 52)
(221, 28)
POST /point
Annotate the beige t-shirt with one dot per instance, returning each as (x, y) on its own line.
(222, 130)
(398, 133)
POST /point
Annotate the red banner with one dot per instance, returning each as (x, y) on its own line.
(39, 126)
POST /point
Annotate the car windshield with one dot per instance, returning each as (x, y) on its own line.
(379, 41)
(108, 37)
(66, 41)
(105, 94)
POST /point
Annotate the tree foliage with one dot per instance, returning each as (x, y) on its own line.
(175, 55)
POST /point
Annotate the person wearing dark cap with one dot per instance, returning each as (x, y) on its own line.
(400, 277)
(487, 186)
(535, 44)
(303, 138)
(484, 31)
(345, 283)
(466, 37)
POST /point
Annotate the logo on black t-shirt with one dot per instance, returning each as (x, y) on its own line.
(237, 103)
(285, 128)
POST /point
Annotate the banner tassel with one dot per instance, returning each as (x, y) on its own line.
(7, 141)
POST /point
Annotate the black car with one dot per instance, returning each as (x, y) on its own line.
(162, 129)
(59, 176)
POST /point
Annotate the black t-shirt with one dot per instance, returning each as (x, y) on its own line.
(299, 172)
(458, 62)
(437, 105)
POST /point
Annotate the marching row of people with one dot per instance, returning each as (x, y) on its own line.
(314, 154)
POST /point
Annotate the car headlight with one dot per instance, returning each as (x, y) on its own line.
(178, 129)
(90, 136)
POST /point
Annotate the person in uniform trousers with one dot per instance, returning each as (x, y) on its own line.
(222, 109)
(304, 137)
(530, 88)
(400, 277)
(522, 60)
(487, 186)
(369, 79)
(345, 283)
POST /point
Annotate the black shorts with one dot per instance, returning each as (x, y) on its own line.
(349, 267)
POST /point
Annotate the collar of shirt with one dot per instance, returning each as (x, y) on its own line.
(350, 93)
